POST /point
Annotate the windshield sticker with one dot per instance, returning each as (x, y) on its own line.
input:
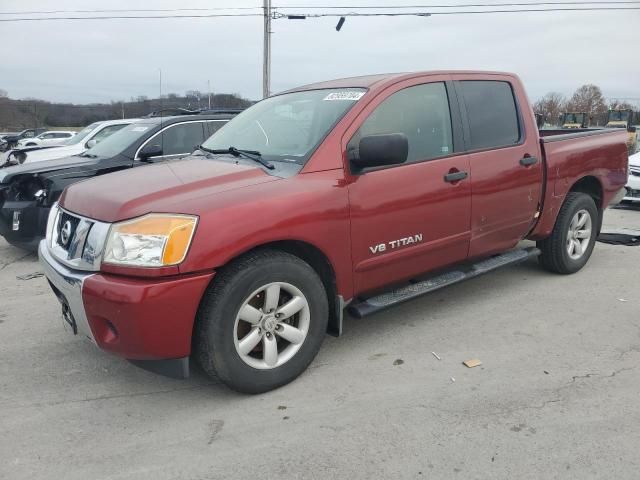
(139, 129)
(349, 96)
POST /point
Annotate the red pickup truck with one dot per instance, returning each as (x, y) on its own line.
(357, 193)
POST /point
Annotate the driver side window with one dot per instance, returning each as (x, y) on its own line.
(421, 113)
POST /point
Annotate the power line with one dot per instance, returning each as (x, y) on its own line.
(327, 7)
(129, 17)
(278, 15)
(125, 10)
(462, 12)
(459, 5)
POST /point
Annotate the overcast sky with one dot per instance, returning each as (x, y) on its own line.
(95, 61)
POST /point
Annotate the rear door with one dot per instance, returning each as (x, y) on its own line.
(506, 173)
(407, 219)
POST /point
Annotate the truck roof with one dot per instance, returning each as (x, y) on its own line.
(370, 81)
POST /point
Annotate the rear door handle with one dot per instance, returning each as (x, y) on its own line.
(528, 161)
(455, 177)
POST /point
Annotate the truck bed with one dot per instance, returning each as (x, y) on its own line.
(593, 155)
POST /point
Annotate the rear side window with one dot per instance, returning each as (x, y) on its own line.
(213, 126)
(182, 138)
(421, 113)
(491, 112)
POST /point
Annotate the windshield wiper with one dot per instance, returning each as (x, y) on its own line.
(237, 152)
(88, 155)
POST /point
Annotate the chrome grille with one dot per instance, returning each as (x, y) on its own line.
(76, 241)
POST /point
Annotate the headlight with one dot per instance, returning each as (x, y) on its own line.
(155, 240)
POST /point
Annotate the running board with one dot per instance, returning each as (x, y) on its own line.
(363, 307)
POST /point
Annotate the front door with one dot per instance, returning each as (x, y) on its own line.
(414, 217)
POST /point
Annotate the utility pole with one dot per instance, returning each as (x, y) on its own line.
(266, 60)
(209, 92)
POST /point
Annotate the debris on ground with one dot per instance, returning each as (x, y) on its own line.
(453, 380)
(436, 355)
(472, 363)
(623, 300)
(398, 361)
(30, 276)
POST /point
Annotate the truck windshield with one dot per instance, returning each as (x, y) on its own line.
(618, 116)
(119, 141)
(77, 138)
(573, 118)
(286, 127)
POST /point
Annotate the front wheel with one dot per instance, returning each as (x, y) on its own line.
(571, 243)
(261, 322)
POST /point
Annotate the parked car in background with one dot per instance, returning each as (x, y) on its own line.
(364, 192)
(50, 138)
(633, 185)
(84, 139)
(11, 140)
(27, 191)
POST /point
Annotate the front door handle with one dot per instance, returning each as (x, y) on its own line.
(455, 177)
(528, 161)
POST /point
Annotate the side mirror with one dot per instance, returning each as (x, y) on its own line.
(91, 143)
(632, 129)
(381, 150)
(149, 151)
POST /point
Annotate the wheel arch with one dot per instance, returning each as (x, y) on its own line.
(591, 186)
(319, 261)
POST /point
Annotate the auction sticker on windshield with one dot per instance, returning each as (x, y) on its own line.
(350, 96)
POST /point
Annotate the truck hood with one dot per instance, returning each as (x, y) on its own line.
(9, 173)
(165, 187)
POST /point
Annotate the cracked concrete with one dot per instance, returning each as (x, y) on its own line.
(556, 396)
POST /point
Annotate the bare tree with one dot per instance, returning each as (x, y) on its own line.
(620, 105)
(589, 99)
(3, 93)
(551, 106)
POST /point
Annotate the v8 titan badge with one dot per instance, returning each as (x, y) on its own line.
(393, 244)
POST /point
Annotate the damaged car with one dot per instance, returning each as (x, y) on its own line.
(28, 191)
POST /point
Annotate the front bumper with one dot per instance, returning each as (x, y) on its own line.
(139, 319)
(632, 189)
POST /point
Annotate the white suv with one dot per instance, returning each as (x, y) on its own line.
(83, 140)
(50, 138)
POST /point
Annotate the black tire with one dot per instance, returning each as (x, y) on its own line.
(555, 256)
(214, 345)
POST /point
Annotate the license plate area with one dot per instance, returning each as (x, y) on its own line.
(67, 315)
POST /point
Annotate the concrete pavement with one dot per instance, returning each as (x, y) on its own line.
(557, 395)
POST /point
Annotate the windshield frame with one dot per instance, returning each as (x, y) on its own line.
(148, 127)
(291, 159)
(77, 138)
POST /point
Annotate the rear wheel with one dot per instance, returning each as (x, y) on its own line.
(261, 322)
(571, 243)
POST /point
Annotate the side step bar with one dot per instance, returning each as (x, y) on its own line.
(363, 307)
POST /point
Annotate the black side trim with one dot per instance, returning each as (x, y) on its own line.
(367, 306)
(173, 367)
